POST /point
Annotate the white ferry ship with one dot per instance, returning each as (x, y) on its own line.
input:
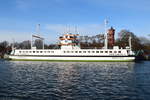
(70, 51)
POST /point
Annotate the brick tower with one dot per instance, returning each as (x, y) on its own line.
(111, 39)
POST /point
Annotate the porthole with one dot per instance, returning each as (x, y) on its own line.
(110, 51)
(97, 51)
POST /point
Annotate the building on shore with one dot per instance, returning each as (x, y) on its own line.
(111, 37)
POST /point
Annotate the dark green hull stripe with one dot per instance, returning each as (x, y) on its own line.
(73, 60)
(70, 56)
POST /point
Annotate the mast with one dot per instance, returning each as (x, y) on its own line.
(31, 41)
(13, 44)
(130, 44)
(37, 36)
(106, 37)
(43, 43)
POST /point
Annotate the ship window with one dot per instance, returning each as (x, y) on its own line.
(37, 51)
(26, 51)
(30, 51)
(101, 51)
(64, 51)
(115, 51)
(97, 51)
(84, 51)
(23, 51)
(33, 51)
(80, 52)
(52, 51)
(48, 51)
(71, 36)
(71, 51)
(88, 51)
(19, 51)
(68, 52)
(110, 51)
(76, 51)
(41, 51)
(119, 51)
(93, 51)
(44, 51)
(106, 51)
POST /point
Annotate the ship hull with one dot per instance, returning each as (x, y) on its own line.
(73, 58)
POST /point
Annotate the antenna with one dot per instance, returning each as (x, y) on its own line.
(13, 44)
(76, 29)
(66, 29)
(69, 29)
(38, 29)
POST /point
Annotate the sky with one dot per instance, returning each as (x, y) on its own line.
(19, 18)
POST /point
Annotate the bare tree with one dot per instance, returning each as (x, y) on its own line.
(4, 48)
(144, 40)
(25, 44)
(38, 43)
(123, 40)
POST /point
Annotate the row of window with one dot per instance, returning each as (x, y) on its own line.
(70, 52)
(92, 52)
(36, 51)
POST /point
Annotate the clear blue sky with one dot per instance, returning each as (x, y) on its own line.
(18, 18)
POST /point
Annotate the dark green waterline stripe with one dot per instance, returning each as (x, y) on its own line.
(73, 60)
(70, 56)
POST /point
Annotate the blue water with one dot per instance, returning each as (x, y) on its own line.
(20, 80)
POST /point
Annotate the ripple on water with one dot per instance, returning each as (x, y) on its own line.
(74, 80)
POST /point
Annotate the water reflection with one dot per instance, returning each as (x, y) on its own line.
(71, 80)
